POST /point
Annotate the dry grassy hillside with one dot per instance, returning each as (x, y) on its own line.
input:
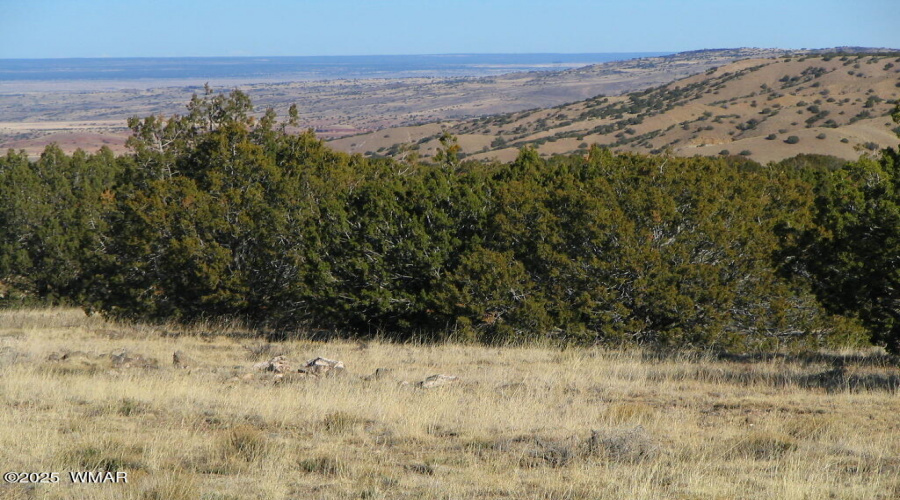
(82, 394)
(766, 109)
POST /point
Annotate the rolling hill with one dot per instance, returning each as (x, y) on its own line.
(767, 109)
(88, 115)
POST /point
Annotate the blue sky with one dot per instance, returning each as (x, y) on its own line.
(168, 28)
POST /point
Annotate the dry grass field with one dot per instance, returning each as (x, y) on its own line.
(79, 393)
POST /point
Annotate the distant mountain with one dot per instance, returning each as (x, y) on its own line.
(770, 106)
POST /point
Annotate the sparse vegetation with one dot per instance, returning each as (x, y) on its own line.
(612, 120)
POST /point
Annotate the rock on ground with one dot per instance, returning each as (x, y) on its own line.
(321, 367)
(125, 359)
(278, 364)
(437, 381)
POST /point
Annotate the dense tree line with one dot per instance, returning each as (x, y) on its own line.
(218, 214)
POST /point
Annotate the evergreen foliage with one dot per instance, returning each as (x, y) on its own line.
(51, 222)
(850, 254)
(218, 214)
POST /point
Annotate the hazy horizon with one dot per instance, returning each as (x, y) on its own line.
(14, 73)
(447, 54)
(57, 29)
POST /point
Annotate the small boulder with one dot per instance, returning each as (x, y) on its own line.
(438, 380)
(321, 367)
(278, 364)
(125, 359)
(67, 356)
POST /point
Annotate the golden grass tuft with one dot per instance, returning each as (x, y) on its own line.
(339, 422)
(244, 443)
(324, 465)
(103, 455)
(630, 412)
(170, 486)
(762, 445)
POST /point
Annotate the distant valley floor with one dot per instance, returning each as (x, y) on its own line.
(765, 104)
(93, 116)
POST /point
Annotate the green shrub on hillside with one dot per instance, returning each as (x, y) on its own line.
(216, 214)
(50, 223)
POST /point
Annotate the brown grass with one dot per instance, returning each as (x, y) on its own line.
(522, 422)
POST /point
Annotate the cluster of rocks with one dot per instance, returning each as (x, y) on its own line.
(278, 364)
(117, 360)
(315, 368)
(125, 359)
(282, 370)
(277, 369)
